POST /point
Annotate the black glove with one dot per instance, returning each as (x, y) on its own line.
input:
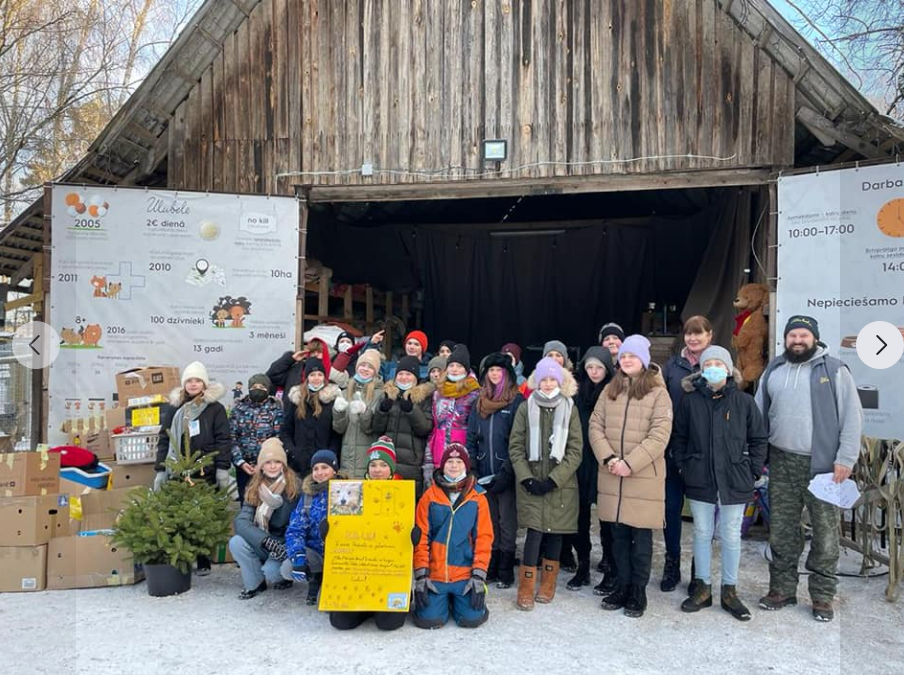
(406, 405)
(547, 485)
(533, 486)
(415, 535)
(386, 404)
(477, 587)
(275, 547)
(324, 529)
(422, 585)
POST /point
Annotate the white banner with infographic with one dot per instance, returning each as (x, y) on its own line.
(146, 277)
(841, 261)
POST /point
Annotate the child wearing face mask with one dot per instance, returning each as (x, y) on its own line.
(259, 544)
(308, 417)
(455, 396)
(720, 441)
(545, 449)
(453, 553)
(353, 414)
(304, 542)
(255, 418)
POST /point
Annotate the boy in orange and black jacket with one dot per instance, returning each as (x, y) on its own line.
(452, 556)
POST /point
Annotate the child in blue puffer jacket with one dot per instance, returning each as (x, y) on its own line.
(304, 544)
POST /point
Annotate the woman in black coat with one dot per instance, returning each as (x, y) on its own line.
(308, 418)
(720, 442)
(593, 375)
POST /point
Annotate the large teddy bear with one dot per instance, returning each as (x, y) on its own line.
(751, 331)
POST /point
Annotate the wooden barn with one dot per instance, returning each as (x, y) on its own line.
(491, 170)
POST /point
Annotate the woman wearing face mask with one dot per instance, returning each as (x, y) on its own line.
(308, 417)
(720, 443)
(489, 428)
(259, 544)
(453, 400)
(353, 414)
(629, 429)
(402, 412)
(698, 335)
(596, 372)
(254, 419)
(545, 450)
(346, 359)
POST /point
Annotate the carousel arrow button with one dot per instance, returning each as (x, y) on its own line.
(880, 345)
(36, 345)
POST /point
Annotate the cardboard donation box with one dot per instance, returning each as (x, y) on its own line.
(27, 474)
(22, 568)
(88, 559)
(32, 521)
(131, 475)
(115, 417)
(367, 566)
(146, 382)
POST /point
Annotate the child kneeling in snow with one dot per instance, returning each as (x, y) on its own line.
(260, 528)
(304, 544)
(381, 465)
(453, 553)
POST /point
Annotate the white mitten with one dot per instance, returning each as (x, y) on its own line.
(340, 404)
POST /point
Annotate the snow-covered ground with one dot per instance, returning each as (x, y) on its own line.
(208, 630)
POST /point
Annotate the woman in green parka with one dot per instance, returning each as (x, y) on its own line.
(353, 414)
(546, 449)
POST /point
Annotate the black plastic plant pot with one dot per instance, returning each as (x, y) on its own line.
(165, 580)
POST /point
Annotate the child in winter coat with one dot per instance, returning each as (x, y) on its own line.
(629, 430)
(453, 400)
(350, 414)
(720, 443)
(254, 419)
(436, 369)
(489, 428)
(545, 449)
(381, 465)
(453, 553)
(304, 544)
(260, 528)
(513, 351)
(308, 417)
(194, 411)
(403, 413)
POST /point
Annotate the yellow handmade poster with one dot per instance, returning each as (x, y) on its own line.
(368, 555)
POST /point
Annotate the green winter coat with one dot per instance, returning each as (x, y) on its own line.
(356, 429)
(555, 512)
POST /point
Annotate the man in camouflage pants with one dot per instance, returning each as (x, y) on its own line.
(810, 404)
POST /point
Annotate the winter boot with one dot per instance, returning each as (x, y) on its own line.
(732, 604)
(566, 559)
(548, 578)
(506, 576)
(493, 569)
(616, 599)
(775, 601)
(823, 611)
(609, 582)
(581, 577)
(636, 604)
(692, 586)
(313, 589)
(702, 597)
(671, 574)
(602, 566)
(254, 592)
(527, 579)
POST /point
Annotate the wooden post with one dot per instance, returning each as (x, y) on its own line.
(323, 296)
(347, 304)
(387, 314)
(40, 390)
(302, 247)
(406, 308)
(369, 308)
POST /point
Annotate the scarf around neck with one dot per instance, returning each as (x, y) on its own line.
(486, 406)
(271, 499)
(184, 416)
(459, 389)
(562, 406)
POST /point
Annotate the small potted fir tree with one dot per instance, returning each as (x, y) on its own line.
(166, 530)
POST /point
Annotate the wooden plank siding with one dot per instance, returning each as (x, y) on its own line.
(577, 87)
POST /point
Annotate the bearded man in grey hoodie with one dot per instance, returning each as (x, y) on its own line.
(812, 410)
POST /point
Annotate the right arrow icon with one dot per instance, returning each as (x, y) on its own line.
(884, 345)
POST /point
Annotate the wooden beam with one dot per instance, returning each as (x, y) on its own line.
(464, 189)
(16, 251)
(347, 312)
(816, 122)
(24, 272)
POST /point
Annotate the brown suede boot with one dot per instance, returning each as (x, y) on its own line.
(527, 578)
(548, 576)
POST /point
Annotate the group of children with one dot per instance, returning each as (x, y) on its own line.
(489, 452)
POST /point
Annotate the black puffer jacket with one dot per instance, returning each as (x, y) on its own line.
(213, 435)
(408, 430)
(303, 437)
(719, 440)
(585, 402)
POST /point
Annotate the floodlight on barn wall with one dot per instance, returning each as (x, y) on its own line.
(495, 150)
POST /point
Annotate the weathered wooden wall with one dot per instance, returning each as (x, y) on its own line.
(413, 86)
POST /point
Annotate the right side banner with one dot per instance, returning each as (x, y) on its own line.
(841, 261)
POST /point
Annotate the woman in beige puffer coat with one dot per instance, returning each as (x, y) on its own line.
(629, 431)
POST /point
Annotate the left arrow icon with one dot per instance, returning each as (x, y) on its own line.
(32, 344)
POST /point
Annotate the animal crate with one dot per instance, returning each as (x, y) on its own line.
(137, 447)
